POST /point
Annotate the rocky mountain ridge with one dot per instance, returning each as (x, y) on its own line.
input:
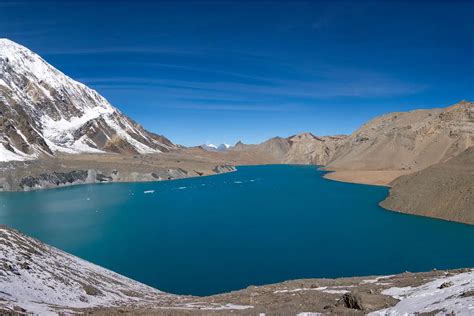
(304, 148)
(43, 111)
(396, 141)
(408, 140)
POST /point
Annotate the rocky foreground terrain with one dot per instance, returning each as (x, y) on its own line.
(37, 278)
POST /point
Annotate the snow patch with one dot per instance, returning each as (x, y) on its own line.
(215, 306)
(431, 297)
(375, 280)
(47, 281)
(6, 155)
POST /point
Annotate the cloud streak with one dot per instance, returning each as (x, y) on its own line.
(241, 107)
(373, 87)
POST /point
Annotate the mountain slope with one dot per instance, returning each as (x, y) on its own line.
(408, 140)
(304, 148)
(38, 279)
(43, 111)
(444, 190)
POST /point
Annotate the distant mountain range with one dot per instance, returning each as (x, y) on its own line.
(304, 148)
(212, 147)
(44, 112)
(395, 141)
(408, 140)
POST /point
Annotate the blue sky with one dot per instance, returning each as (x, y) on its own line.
(227, 71)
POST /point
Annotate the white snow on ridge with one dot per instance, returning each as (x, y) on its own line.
(6, 155)
(61, 132)
(75, 103)
(430, 297)
(47, 281)
(212, 147)
(56, 278)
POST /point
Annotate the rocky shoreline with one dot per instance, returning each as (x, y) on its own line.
(451, 180)
(37, 278)
(106, 168)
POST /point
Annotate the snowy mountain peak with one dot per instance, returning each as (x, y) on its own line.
(44, 111)
(223, 147)
(212, 147)
(24, 60)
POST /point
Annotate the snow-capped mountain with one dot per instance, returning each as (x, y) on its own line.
(223, 147)
(43, 111)
(212, 147)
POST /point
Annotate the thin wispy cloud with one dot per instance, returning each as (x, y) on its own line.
(374, 87)
(300, 63)
(121, 50)
(202, 69)
(242, 107)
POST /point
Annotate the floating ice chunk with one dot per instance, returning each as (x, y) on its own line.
(149, 191)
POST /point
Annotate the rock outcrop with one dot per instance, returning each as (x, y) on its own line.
(223, 168)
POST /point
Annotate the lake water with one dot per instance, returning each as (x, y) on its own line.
(258, 225)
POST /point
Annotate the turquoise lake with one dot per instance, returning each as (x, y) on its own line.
(259, 225)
